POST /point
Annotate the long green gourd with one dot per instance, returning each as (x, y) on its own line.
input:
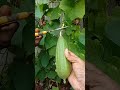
(63, 66)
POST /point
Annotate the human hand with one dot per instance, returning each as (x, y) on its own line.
(5, 10)
(95, 79)
(77, 76)
(7, 31)
(38, 37)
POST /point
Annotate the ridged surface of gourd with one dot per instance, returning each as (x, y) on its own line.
(63, 66)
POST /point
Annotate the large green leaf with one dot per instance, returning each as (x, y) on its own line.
(54, 13)
(39, 11)
(50, 41)
(45, 59)
(52, 51)
(76, 50)
(73, 9)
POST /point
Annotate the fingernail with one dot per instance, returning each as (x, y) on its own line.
(66, 49)
(66, 52)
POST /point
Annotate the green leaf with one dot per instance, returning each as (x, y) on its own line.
(37, 69)
(51, 74)
(82, 38)
(52, 26)
(41, 75)
(39, 11)
(50, 41)
(52, 51)
(74, 48)
(55, 88)
(54, 13)
(45, 59)
(73, 9)
(58, 79)
(49, 66)
(69, 31)
(42, 42)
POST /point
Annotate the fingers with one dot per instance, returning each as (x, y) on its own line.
(72, 57)
(37, 40)
(37, 30)
(77, 76)
(75, 83)
(38, 37)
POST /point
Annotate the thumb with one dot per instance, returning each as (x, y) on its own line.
(71, 56)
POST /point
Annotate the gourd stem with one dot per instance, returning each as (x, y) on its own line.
(61, 33)
(64, 81)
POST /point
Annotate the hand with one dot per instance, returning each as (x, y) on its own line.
(5, 10)
(95, 79)
(77, 76)
(7, 32)
(37, 38)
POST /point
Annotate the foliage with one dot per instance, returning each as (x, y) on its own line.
(57, 13)
(102, 41)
